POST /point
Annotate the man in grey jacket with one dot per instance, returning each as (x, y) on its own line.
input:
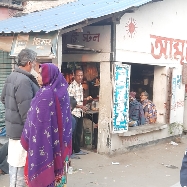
(19, 89)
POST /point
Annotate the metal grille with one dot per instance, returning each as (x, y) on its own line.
(5, 70)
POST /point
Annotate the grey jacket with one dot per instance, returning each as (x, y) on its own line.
(19, 89)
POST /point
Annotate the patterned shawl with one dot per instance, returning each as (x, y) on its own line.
(47, 132)
(152, 112)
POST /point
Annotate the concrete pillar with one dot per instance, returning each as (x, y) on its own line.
(185, 110)
(59, 52)
(105, 99)
(160, 92)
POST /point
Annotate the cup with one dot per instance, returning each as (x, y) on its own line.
(70, 170)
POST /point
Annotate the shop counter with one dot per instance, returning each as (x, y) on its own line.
(91, 114)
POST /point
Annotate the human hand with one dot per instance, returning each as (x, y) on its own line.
(84, 108)
(89, 98)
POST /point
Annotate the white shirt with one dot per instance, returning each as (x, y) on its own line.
(16, 154)
(76, 90)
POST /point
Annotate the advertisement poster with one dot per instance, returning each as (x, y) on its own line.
(121, 97)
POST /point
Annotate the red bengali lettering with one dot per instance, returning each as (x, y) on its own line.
(177, 51)
(169, 48)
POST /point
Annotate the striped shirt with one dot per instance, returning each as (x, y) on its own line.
(76, 90)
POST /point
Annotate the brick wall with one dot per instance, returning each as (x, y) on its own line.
(6, 13)
(31, 6)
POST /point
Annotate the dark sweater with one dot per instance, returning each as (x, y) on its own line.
(18, 91)
(136, 112)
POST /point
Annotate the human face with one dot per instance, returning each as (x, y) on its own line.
(30, 66)
(33, 64)
(131, 98)
(79, 76)
(39, 78)
(143, 96)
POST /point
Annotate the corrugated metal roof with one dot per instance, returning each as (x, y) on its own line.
(66, 15)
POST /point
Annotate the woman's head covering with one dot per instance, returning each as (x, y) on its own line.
(132, 94)
(47, 132)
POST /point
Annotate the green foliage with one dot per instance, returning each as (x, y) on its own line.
(175, 128)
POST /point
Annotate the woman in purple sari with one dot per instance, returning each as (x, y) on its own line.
(47, 133)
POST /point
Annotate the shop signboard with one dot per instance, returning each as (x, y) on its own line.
(96, 38)
(6, 43)
(121, 97)
(43, 44)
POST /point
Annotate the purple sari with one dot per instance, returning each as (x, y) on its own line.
(47, 132)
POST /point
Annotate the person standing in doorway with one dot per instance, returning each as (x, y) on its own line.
(19, 89)
(75, 89)
(136, 113)
(150, 111)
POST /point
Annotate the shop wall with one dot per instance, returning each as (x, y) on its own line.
(142, 35)
(127, 143)
(177, 97)
(160, 92)
(97, 41)
(155, 34)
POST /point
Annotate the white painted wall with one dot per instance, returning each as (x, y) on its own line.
(160, 92)
(166, 20)
(124, 144)
(177, 98)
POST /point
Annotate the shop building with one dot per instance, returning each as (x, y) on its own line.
(148, 50)
(156, 52)
(7, 10)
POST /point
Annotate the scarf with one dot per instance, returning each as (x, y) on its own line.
(47, 132)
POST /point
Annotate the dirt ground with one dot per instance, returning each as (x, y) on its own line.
(151, 166)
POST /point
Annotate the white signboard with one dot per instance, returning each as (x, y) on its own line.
(94, 37)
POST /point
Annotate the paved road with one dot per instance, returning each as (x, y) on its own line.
(146, 167)
(176, 185)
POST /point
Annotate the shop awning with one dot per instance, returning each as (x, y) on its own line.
(66, 15)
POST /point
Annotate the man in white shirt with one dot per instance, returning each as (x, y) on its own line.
(76, 90)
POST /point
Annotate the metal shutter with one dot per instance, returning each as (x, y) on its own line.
(5, 70)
